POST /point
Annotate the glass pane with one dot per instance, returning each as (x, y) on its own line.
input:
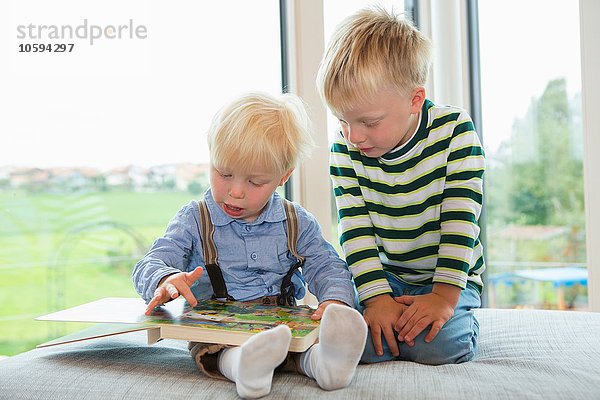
(334, 12)
(531, 104)
(103, 144)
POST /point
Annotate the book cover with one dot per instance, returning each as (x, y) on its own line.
(96, 331)
(210, 321)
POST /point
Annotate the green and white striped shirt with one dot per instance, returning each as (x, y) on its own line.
(413, 212)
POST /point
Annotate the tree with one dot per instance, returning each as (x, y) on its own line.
(537, 177)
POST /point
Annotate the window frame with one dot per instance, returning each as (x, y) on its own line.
(590, 94)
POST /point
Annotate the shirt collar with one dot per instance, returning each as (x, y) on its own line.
(273, 211)
(420, 132)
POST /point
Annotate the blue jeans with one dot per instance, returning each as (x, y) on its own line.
(455, 343)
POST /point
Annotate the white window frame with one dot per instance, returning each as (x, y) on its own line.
(590, 94)
(310, 184)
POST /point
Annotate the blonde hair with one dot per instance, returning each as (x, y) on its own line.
(258, 131)
(369, 51)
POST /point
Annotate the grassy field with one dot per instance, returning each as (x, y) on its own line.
(58, 251)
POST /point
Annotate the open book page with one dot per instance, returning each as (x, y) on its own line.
(108, 310)
(234, 322)
(240, 316)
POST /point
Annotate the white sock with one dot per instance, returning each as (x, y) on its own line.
(342, 336)
(252, 364)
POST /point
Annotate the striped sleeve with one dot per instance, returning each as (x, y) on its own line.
(461, 205)
(356, 231)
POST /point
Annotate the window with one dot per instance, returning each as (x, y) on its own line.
(532, 132)
(102, 145)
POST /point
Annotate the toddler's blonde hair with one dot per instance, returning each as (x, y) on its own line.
(260, 132)
(369, 51)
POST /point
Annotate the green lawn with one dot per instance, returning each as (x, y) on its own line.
(58, 251)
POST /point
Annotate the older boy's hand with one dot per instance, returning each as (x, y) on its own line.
(381, 313)
(433, 309)
(321, 309)
(172, 286)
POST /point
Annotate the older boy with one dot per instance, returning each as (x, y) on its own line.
(407, 176)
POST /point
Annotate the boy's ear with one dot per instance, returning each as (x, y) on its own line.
(285, 178)
(417, 99)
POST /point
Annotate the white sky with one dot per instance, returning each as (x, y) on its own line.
(124, 102)
(150, 101)
(524, 44)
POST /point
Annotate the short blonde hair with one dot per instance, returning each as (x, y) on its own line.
(258, 131)
(369, 51)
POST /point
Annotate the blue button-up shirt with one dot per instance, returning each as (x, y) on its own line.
(253, 256)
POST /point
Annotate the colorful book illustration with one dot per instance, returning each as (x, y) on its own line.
(210, 321)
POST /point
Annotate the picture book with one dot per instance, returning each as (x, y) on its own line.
(209, 321)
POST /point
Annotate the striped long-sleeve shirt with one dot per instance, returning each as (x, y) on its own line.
(414, 211)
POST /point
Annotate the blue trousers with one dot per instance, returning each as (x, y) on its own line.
(455, 343)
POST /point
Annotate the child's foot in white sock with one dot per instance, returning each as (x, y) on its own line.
(252, 364)
(342, 336)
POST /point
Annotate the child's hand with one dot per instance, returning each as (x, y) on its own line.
(381, 313)
(172, 286)
(321, 309)
(423, 310)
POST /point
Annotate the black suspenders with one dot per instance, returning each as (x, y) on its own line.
(210, 254)
(286, 296)
(209, 250)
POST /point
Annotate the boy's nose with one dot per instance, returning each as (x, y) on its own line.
(355, 135)
(236, 191)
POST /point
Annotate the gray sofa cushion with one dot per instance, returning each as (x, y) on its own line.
(523, 354)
